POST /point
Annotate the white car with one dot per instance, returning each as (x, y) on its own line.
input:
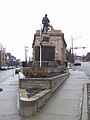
(77, 63)
(4, 67)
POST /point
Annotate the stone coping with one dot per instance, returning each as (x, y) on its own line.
(23, 95)
(47, 78)
(30, 106)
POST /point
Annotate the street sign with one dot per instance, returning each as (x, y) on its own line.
(14, 58)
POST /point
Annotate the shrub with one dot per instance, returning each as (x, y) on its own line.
(26, 71)
(41, 72)
(38, 72)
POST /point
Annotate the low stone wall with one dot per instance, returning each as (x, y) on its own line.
(43, 83)
(29, 106)
(57, 80)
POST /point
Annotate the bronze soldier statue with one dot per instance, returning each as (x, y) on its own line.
(45, 22)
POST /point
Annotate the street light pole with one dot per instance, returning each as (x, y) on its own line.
(72, 49)
(72, 59)
(26, 53)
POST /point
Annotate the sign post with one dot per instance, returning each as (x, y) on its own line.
(14, 60)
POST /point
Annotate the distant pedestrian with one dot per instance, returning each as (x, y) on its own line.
(1, 89)
(66, 63)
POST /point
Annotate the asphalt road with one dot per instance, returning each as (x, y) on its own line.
(5, 74)
(85, 67)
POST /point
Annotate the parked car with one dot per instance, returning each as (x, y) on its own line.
(77, 63)
(9, 67)
(4, 67)
(17, 70)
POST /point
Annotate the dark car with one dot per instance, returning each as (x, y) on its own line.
(17, 70)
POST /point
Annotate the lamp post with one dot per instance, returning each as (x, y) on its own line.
(26, 50)
(72, 57)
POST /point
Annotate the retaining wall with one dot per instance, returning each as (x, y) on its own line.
(29, 106)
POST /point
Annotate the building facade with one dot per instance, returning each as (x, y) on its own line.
(88, 56)
(53, 46)
(2, 56)
(6, 59)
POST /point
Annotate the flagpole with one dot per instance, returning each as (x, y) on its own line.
(40, 47)
(40, 57)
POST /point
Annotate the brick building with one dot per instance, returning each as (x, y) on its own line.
(9, 59)
(2, 56)
(6, 59)
(88, 56)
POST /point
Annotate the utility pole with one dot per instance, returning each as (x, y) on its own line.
(26, 50)
(72, 49)
(72, 53)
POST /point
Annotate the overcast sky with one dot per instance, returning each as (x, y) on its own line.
(19, 20)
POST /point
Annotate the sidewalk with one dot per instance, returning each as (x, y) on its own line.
(65, 104)
(9, 99)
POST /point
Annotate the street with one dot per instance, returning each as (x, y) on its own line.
(5, 74)
(85, 67)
